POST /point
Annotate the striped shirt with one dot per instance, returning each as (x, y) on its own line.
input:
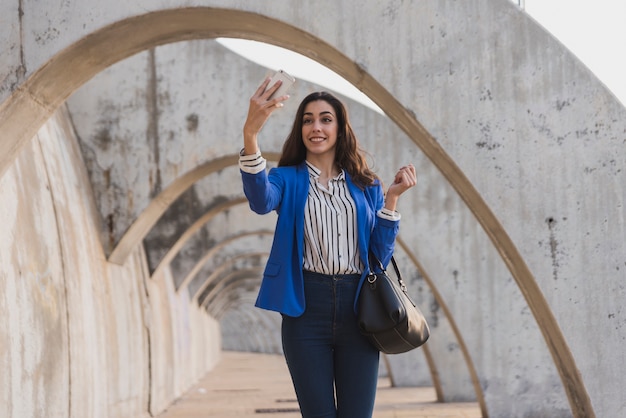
(330, 224)
(330, 228)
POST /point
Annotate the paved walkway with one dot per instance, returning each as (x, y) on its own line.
(258, 385)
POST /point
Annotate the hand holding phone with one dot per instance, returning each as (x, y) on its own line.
(259, 110)
(287, 80)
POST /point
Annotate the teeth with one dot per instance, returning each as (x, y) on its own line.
(316, 139)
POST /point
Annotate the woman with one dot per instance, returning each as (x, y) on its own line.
(331, 210)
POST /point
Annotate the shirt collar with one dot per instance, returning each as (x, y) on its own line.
(315, 172)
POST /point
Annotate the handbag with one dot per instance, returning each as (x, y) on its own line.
(386, 314)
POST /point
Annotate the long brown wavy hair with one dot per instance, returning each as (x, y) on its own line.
(348, 156)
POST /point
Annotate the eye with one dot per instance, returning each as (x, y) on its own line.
(327, 119)
(307, 121)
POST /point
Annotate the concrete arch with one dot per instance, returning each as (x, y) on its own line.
(211, 253)
(219, 310)
(214, 283)
(34, 101)
(148, 218)
(231, 279)
(159, 205)
(194, 228)
(215, 302)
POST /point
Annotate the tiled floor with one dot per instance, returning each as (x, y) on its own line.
(258, 385)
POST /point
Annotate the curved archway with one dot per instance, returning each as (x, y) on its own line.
(212, 284)
(231, 278)
(157, 207)
(34, 101)
(189, 232)
(200, 263)
(229, 283)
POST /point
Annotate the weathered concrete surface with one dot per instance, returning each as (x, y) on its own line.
(78, 336)
(180, 88)
(108, 352)
(185, 344)
(519, 215)
(34, 340)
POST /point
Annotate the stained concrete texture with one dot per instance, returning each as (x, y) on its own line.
(84, 337)
(513, 241)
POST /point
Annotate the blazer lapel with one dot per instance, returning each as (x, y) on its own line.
(302, 193)
(363, 216)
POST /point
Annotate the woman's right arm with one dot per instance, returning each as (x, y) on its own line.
(263, 193)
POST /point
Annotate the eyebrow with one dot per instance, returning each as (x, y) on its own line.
(326, 112)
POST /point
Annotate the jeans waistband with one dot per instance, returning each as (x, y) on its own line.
(315, 275)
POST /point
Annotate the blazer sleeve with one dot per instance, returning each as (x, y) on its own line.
(383, 235)
(263, 190)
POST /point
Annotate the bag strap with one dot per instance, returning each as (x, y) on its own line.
(377, 263)
(395, 267)
(405, 290)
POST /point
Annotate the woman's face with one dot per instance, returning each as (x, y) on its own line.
(319, 129)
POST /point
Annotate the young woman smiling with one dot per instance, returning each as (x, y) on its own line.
(331, 211)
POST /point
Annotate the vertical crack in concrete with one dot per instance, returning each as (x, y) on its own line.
(20, 72)
(553, 248)
(152, 131)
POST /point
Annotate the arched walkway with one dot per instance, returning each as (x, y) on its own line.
(35, 100)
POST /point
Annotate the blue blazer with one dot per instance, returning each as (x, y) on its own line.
(285, 190)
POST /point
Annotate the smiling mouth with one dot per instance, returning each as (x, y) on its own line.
(316, 139)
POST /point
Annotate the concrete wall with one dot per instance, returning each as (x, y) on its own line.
(81, 336)
(514, 238)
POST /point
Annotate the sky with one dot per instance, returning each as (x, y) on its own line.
(299, 66)
(594, 30)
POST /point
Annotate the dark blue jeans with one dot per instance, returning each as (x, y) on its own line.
(327, 355)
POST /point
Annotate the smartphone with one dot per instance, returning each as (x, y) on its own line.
(287, 80)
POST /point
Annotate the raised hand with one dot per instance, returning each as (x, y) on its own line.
(259, 111)
(404, 179)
